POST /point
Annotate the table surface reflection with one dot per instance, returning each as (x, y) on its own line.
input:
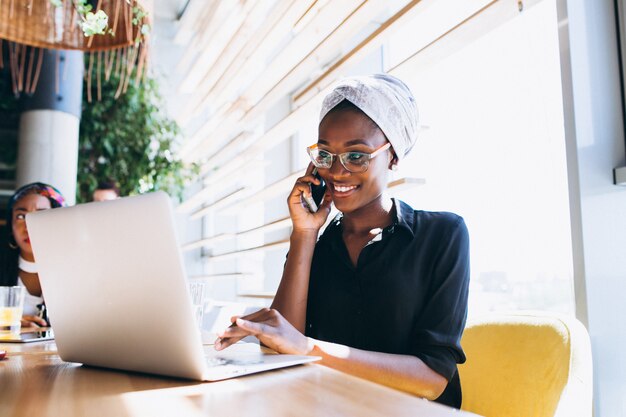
(34, 381)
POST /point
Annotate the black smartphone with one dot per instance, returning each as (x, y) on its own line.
(317, 193)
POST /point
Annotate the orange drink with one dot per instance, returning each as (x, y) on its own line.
(11, 306)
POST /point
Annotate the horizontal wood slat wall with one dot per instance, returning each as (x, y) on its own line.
(287, 50)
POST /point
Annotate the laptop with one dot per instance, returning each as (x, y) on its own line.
(28, 335)
(115, 288)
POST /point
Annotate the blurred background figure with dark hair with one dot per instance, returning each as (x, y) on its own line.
(107, 190)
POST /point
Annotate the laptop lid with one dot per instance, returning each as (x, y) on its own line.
(114, 283)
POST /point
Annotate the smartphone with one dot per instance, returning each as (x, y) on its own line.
(317, 193)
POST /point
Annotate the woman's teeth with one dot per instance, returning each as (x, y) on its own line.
(344, 188)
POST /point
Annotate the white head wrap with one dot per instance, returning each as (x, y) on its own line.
(386, 100)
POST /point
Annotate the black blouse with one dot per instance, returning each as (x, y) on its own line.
(406, 295)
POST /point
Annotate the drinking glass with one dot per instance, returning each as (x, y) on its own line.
(197, 290)
(11, 306)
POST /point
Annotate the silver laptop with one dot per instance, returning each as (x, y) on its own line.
(115, 288)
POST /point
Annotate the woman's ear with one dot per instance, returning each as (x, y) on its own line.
(393, 164)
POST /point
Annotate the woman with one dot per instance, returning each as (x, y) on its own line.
(383, 293)
(16, 255)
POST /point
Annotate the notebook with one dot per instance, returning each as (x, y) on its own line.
(114, 284)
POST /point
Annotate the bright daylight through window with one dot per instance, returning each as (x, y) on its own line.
(492, 149)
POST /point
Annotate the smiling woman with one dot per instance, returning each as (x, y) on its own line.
(17, 263)
(383, 293)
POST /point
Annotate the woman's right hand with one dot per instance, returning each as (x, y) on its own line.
(272, 330)
(301, 217)
(33, 321)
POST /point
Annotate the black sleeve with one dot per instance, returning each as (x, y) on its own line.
(440, 325)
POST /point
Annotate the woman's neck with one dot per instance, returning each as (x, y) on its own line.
(27, 256)
(30, 279)
(374, 215)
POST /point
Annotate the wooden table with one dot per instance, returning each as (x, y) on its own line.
(34, 381)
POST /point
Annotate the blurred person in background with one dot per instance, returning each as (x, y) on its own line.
(17, 262)
(106, 190)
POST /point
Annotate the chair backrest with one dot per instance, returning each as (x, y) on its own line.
(527, 364)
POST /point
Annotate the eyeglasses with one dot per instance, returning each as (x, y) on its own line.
(352, 161)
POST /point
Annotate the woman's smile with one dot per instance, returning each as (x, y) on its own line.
(342, 190)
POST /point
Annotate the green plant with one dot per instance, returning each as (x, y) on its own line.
(131, 140)
(98, 23)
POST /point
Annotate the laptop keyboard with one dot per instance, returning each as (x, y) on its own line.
(213, 361)
(237, 356)
(241, 360)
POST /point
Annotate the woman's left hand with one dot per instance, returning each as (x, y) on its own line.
(271, 328)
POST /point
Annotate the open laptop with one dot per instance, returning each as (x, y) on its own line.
(115, 288)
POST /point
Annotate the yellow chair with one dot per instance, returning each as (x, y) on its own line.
(527, 364)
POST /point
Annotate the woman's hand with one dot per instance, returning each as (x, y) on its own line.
(271, 328)
(33, 321)
(301, 217)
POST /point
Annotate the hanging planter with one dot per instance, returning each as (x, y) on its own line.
(114, 33)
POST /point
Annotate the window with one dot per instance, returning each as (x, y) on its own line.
(492, 149)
